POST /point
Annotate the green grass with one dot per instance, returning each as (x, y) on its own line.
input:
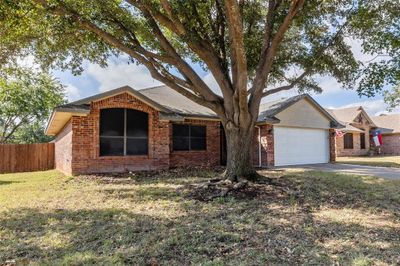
(314, 218)
(383, 161)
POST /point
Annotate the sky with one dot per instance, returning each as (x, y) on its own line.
(96, 79)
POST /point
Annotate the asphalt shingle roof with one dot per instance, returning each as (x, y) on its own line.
(388, 123)
(171, 102)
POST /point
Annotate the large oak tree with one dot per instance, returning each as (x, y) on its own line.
(253, 48)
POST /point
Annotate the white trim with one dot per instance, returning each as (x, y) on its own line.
(259, 146)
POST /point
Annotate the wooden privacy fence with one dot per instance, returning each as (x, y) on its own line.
(26, 157)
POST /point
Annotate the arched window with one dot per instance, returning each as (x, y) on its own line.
(123, 132)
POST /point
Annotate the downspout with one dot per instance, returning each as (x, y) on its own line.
(259, 146)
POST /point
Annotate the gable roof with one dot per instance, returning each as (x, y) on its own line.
(388, 124)
(349, 114)
(270, 109)
(172, 106)
(110, 93)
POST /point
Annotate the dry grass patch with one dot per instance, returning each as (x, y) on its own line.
(157, 218)
(382, 161)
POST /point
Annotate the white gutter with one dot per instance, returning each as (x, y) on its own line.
(259, 146)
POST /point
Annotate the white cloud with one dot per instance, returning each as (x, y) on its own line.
(329, 85)
(72, 92)
(119, 74)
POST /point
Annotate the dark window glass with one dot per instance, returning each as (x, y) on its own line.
(198, 131)
(188, 137)
(136, 146)
(123, 132)
(181, 143)
(111, 146)
(198, 144)
(112, 122)
(180, 130)
(348, 141)
(362, 141)
(137, 123)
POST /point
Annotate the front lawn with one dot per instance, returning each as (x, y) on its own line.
(309, 218)
(383, 161)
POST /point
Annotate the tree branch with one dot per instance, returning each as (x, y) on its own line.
(201, 47)
(287, 87)
(238, 55)
(268, 55)
(199, 85)
(150, 63)
(316, 55)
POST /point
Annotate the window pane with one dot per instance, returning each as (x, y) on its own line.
(180, 130)
(111, 146)
(136, 123)
(198, 144)
(348, 141)
(198, 131)
(362, 141)
(136, 146)
(180, 144)
(112, 122)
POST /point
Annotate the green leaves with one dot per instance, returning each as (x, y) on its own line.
(26, 101)
(317, 40)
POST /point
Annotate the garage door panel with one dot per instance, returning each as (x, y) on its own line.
(300, 146)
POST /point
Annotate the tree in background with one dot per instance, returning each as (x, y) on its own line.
(253, 48)
(392, 97)
(26, 101)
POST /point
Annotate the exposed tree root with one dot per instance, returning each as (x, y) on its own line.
(221, 187)
(224, 192)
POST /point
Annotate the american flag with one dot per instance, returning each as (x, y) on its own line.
(339, 133)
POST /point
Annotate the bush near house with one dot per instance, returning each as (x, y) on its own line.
(163, 219)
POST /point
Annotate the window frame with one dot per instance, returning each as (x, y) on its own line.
(125, 137)
(346, 145)
(363, 145)
(189, 137)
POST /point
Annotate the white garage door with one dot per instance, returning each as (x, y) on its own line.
(300, 146)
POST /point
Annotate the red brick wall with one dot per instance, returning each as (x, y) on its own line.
(356, 151)
(63, 149)
(86, 145)
(267, 146)
(209, 157)
(363, 124)
(332, 146)
(391, 144)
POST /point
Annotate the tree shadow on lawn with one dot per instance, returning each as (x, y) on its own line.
(298, 223)
(176, 176)
(341, 190)
(223, 236)
(7, 182)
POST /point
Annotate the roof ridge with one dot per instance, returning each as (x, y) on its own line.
(154, 87)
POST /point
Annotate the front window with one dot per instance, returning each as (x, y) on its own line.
(189, 137)
(123, 132)
(348, 141)
(362, 141)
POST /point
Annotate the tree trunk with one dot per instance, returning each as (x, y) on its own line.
(239, 142)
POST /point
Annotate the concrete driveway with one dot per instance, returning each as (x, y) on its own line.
(385, 172)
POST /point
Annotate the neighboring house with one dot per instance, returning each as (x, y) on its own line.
(157, 128)
(389, 126)
(358, 125)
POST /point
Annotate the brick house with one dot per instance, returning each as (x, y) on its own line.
(389, 126)
(358, 125)
(157, 128)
